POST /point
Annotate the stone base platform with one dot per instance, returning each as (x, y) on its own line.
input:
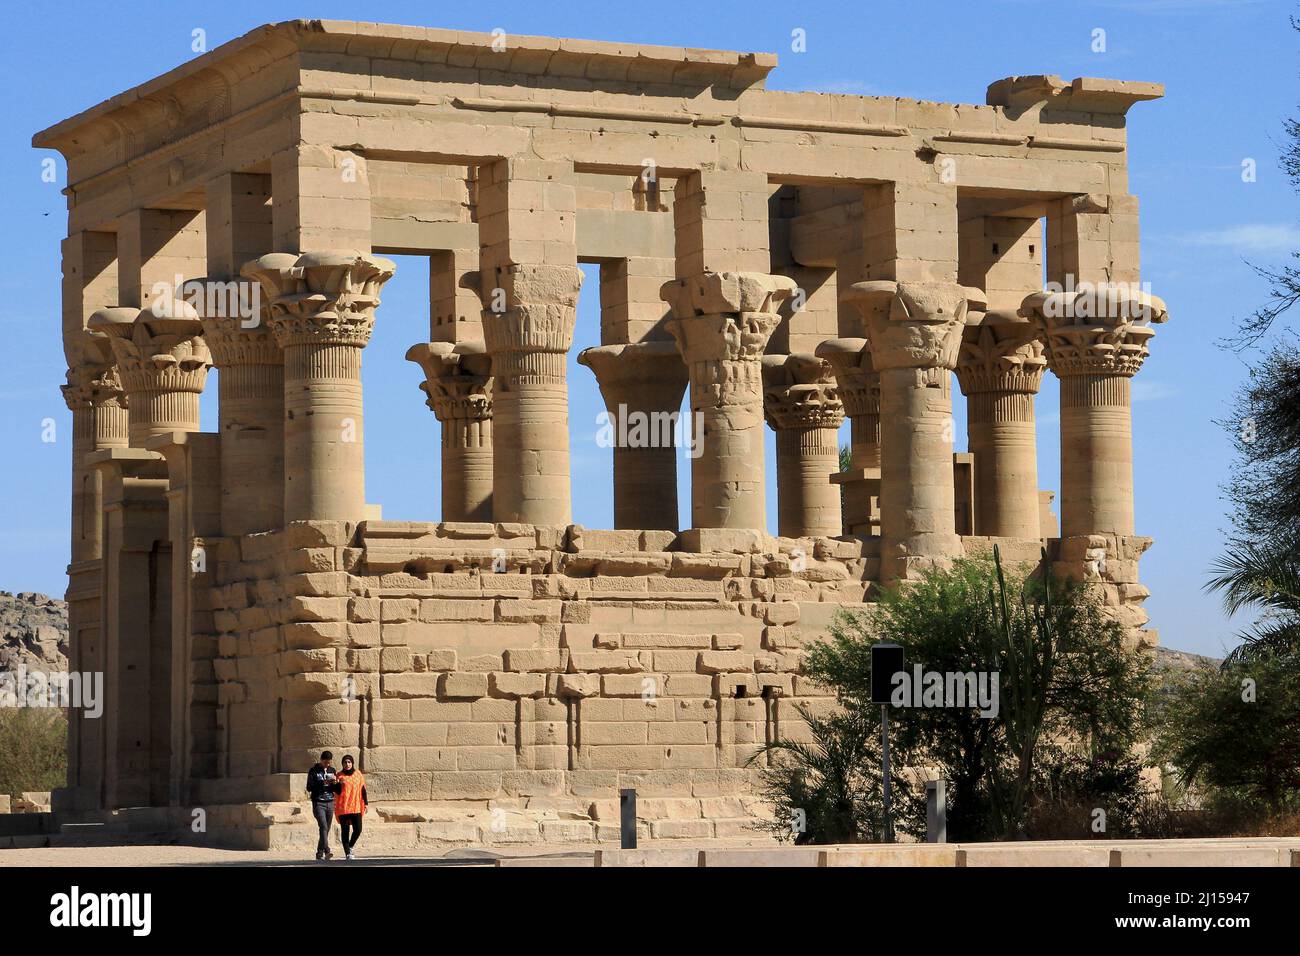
(282, 825)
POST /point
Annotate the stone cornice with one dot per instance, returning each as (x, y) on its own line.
(205, 77)
(321, 298)
(799, 391)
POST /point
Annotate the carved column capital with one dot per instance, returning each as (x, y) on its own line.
(642, 376)
(799, 391)
(156, 354)
(912, 324)
(721, 322)
(1001, 353)
(1095, 330)
(321, 298)
(711, 293)
(93, 379)
(529, 308)
(236, 321)
(857, 379)
(458, 380)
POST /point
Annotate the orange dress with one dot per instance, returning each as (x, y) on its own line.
(349, 799)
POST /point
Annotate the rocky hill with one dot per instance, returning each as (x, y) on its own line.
(33, 632)
(1169, 660)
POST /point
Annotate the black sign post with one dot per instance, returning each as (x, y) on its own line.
(887, 659)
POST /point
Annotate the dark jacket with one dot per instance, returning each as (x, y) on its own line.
(322, 784)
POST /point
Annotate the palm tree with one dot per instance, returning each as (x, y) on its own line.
(1264, 577)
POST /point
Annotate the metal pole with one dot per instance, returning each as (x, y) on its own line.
(884, 765)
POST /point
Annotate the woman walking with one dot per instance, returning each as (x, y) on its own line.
(350, 804)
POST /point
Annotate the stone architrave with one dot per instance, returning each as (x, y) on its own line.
(458, 386)
(915, 331)
(642, 385)
(803, 407)
(322, 310)
(721, 322)
(1000, 369)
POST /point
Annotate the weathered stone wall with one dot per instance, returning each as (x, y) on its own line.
(475, 662)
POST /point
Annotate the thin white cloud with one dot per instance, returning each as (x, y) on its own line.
(1151, 391)
(1252, 237)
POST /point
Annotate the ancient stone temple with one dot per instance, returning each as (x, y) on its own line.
(766, 260)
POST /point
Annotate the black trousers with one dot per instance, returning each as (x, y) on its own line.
(324, 814)
(350, 822)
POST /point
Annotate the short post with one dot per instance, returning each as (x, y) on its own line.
(627, 819)
(887, 660)
(884, 769)
(936, 811)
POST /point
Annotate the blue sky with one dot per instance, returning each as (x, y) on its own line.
(1229, 67)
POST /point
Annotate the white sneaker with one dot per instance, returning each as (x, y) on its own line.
(349, 855)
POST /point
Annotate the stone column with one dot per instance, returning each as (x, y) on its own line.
(1095, 341)
(721, 322)
(163, 363)
(858, 385)
(529, 281)
(251, 384)
(322, 311)
(642, 385)
(915, 332)
(458, 384)
(1000, 369)
(251, 413)
(803, 407)
(99, 420)
(529, 344)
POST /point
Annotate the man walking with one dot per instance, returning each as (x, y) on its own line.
(322, 784)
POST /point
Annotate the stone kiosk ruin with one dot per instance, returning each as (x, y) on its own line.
(785, 260)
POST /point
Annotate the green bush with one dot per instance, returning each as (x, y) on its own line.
(33, 749)
(828, 790)
(1234, 734)
(1065, 674)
